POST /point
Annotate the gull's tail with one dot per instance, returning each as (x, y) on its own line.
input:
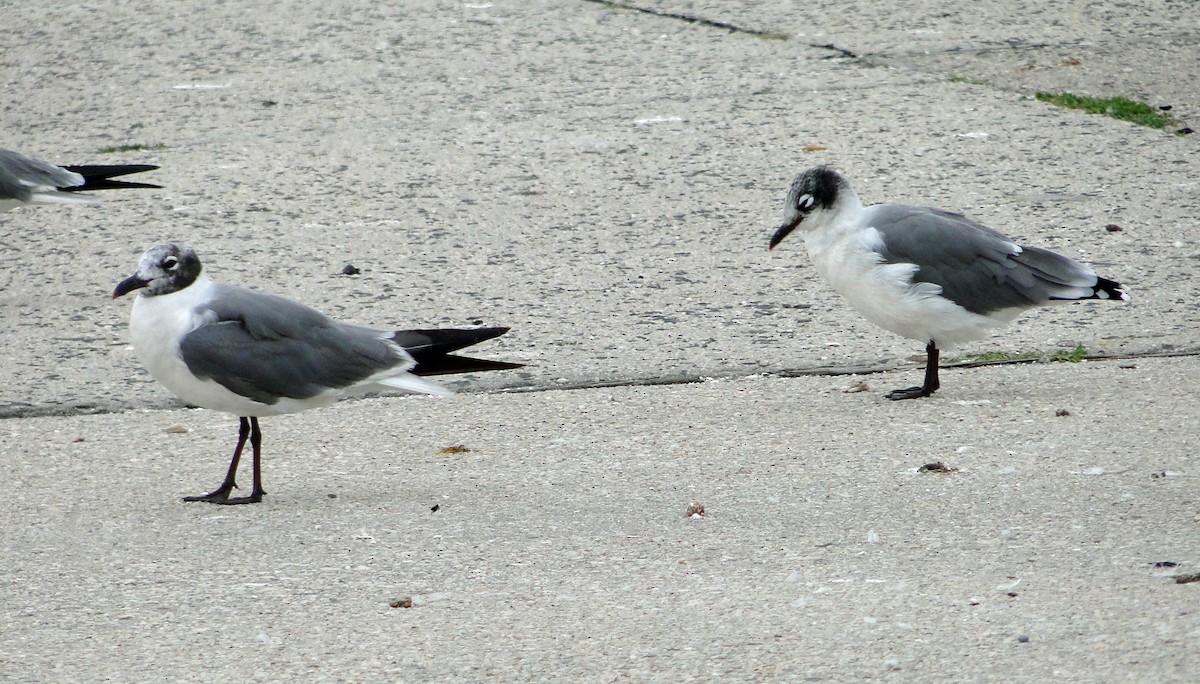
(431, 349)
(1048, 276)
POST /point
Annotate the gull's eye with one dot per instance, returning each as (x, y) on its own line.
(170, 263)
(804, 202)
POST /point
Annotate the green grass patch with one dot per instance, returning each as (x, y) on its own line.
(114, 149)
(1000, 357)
(1115, 107)
(1074, 356)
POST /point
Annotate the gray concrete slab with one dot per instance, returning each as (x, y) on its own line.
(561, 548)
(1143, 50)
(511, 164)
(604, 181)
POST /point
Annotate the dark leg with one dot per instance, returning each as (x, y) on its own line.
(256, 489)
(220, 494)
(931, 377)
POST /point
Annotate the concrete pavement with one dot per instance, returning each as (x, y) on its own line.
(603, 180)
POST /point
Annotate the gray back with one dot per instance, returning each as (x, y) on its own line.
(16, 167)
(265, 347)
(977, 267)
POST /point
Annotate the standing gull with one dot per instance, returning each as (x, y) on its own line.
(252, 354)
(927, 274)
(25, 180)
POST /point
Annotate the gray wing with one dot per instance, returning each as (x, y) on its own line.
(21, 175)
(978, 268)
(266, 347)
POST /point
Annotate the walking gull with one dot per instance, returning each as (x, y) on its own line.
(252, 354)
(25, 180)
(927, 274)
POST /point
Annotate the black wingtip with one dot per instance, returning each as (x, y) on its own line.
(432, 350)
(452, 363)
(444, 340)
(1110, 289)
(99, 176)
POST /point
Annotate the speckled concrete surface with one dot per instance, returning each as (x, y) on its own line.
(510, 163)
(604, 181)
(561, 548)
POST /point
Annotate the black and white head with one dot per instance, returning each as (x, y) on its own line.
(163, 269)
(815, 196)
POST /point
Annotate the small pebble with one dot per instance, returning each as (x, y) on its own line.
(405, 602)
(1023, 639)
(1062, 412)
(351, 269)
(1113, 228)
(695, 510)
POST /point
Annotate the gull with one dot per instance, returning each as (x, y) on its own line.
(25, 180)
(252, 354)
(926, 274)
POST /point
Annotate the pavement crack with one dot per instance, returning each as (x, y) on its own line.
(839, 52)
(809, 371)
(692, 19)
(108, 406)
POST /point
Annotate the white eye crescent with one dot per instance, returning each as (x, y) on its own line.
(804, 202)
(170, 263)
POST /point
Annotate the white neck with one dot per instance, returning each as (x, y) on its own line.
(835, 223)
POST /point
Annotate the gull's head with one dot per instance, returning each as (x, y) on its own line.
(163, 269)
(814, 198)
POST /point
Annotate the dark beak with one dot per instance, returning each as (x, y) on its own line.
(781, 232)
(129, 285)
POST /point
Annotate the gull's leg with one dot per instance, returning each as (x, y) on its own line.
(221, 494)
(931, 377)
(256, 489)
